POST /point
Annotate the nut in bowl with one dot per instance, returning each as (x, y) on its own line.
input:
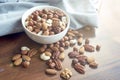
(45, 24)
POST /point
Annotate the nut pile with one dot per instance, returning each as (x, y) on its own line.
(46, 22)
(80, 59)
(53, 55)
(24, 57)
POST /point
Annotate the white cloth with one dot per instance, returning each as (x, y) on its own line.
(81, 12)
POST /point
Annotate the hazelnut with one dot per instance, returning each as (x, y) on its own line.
(26, 64)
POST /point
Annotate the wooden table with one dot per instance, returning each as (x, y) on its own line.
(107, 35)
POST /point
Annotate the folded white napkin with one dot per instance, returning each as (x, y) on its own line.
(82, 13)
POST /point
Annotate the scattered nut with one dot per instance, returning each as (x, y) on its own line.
(79, 68)
(87, 41)
(90, 60)
(98, 47)
(48, 54)
(93, 65)
(44, 57)
(75, 48)
(15, 57)
(18, 62)
(73, 54)
(51, 71)
(89, 48)
(80, 40)
(66, 74)
(26, 58)
(82, 50)
(62, 56)
(26, 64)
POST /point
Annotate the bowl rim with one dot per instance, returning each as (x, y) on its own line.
(42, 7)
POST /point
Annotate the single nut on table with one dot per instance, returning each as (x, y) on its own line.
(50, 63)
(26, 58)
(90, 60)
(80, 40)
(44, 57)
(51, 71)
(93, 65)
(79, 68)
(73, 54)
(75, 48)
(58, 64)
(82, 59)
(41, 49)
(18, 62)
(98, 47)
(24, 50)
(82, 50)
(61, 49)
(15, 57)
(62, 56)
(26, 64)
(73, 42)
(87, 41)
(89, 48)
(74, 61)
(32, 52)
(67, 43)
(71, 34)
(66, 74)
(48, 53)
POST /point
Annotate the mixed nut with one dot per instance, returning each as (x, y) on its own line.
(54, 54)
(24, 57)
(46, 22)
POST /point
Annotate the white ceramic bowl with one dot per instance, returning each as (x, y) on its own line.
(42, 38)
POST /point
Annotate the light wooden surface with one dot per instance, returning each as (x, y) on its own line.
(107, 35)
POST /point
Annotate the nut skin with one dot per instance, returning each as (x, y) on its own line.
(93, 65)
(51, 71)
(24, 52)
(82, 59)
(75, 48)
(48, 53)
(90, 60)
(26, 64)
(62, 56)
(98, 47)
(15, 57)
(73, 54)
(26, 58)
(80, 40)
(61, 49)
(87, 41)
(32, 52)
(50, 64)
(58, 64)
(79, 68)
(18, 62)
(82, 50)
(89, 48)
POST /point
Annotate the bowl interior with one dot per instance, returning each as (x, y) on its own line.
(30, 11)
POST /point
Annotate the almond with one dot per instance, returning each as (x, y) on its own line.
(15, 57)
(26, 58)
(51, 71)
(18, 62)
